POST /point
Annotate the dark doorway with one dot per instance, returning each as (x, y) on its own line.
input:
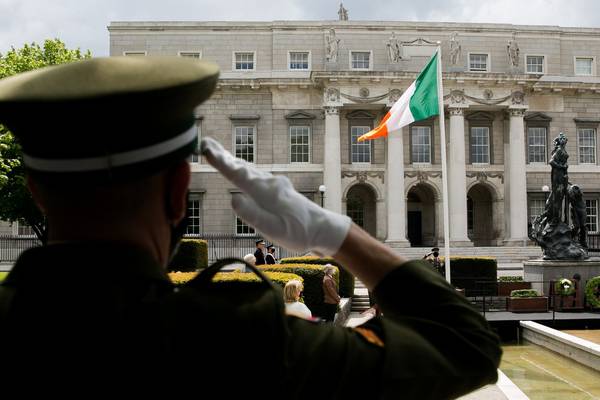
(415, 228)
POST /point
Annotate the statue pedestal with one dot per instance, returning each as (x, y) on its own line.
(540, 272)
(332, 66)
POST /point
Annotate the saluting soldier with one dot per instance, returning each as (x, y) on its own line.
(94, 307)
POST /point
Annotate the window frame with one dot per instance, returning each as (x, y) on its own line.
(481, 120)
(299, 124)
(488, 62)
(544, 64)
(429, 123)
(364, 144)
(289, 60)
(593, 66)
(254, 142)
(595, 199)
(369, 68)
(135, 53)
(234, 58)
(579, 128)
(195, 196)
(537, 126)
(251, 230)
(181, 53)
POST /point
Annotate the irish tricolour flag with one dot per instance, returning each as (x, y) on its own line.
(419, 101)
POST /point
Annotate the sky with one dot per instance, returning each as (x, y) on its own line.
(82, 23)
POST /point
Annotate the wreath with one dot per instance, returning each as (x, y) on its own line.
(564, 287)
(592, 292)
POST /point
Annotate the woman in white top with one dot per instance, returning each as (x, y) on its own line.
(291, 297)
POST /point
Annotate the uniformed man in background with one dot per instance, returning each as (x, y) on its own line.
(93, 312)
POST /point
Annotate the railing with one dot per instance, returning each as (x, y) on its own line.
(12, 246)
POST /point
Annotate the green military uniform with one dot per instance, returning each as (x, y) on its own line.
(104, 315)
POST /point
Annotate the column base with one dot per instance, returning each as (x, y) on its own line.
(397, 243)
(461, 243)
(516, 242)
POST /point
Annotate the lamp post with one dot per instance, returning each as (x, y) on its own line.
(322, 190)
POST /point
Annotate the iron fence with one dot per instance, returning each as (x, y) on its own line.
(12, 246)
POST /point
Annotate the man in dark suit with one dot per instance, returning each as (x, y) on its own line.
(93, 310)
(259, 253)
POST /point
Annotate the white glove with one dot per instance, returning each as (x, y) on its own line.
(272, 206)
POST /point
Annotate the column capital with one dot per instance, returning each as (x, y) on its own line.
(456, 110)
(332, 110)
(517, 112)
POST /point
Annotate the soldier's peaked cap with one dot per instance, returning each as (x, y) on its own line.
(106, 119)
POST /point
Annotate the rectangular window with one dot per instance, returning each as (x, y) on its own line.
(299, 60)
(536, 145)
(480, 145)
(244, 61)
(24, 230)
(421, 144)
(360, 152)
(587, 145)
(591, 208)
(189, 54)
(360, 59)
(195, 157)
(244, 143)
(194, 212)
(299, 144)
(536, 208)
(478, 62)
(241, 228)
(134, 53)
(535, 64)
(584, 66)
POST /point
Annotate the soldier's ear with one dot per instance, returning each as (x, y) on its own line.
(177, 183)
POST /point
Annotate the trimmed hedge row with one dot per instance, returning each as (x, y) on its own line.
(280, 278)
(313, 282)
(192, 255)
(524, 293)
(592, 290)
(346, 286)
(477, 275)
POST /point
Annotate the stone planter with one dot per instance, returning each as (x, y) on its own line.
(504, 288)
(527, 304)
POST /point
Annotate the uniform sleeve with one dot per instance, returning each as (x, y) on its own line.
(430, 344)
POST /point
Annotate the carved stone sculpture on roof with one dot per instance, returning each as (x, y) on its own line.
(512, 48)
(454, 49)
(394, 46)
(332, 46)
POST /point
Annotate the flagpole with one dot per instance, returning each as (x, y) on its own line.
(444, 164)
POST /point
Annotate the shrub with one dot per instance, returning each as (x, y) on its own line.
(477, 275)
(524, 293)
(564, 287)
(510, 279)
(592, 292)
(280, 278)
(191, 256)
(346, 287)
(313, 282)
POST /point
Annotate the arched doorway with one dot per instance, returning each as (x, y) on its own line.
(480, 215)
(420, 221)
(360, 207)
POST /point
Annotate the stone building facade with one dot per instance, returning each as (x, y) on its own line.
(293, 97)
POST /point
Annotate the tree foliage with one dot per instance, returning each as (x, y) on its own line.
(16, 203)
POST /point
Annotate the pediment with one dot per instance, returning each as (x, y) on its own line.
(480, 116)
(537, 117)
(360, 114)
(299, 115)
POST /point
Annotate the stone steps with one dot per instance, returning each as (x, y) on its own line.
(504, 255)
(360, 300)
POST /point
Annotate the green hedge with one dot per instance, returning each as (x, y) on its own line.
(510, 279)
(564, 287)
(524, 293)
(346, 278)
(313, 282)
(191, 256)
(470, 273)
(280, 278)
(592, 291)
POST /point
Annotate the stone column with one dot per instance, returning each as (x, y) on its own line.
(332, 163)
(457, 181)
(396, 199)
(517, 178)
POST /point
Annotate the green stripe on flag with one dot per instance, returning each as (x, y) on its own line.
(424, 102)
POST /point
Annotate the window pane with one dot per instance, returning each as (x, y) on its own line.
(535, 64)
(355, 209)
(241, 228)
(587, 145)
(478, 62)
(421, 144)
(583, 66)
(360, 59)
(298, 60)
(536, 145)
(193, 227)
(536, 208)
(299, 144)
(244, 61)
(244, 143)
(591, 208)
(361, 152)
(480, 145)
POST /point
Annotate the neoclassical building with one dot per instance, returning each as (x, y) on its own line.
(293, 96)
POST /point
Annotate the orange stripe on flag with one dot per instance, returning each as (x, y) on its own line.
(380, 131)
